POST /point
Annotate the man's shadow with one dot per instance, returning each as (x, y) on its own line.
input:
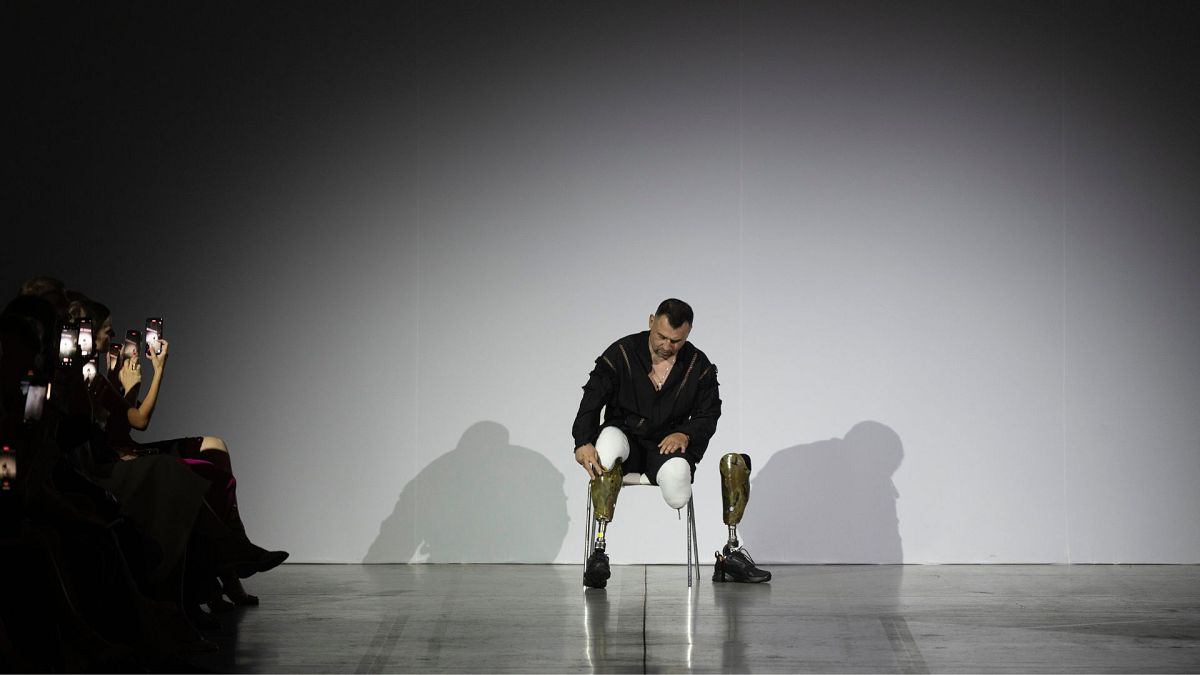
(828, 502)
(484, 501)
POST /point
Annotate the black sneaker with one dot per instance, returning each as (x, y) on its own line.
(737, 565)
(595, 572)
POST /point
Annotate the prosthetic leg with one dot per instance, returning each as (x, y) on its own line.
(734, 562)
(603, 492)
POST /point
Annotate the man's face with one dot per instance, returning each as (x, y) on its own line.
(665, 341)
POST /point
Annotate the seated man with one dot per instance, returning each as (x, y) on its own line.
(658, 419)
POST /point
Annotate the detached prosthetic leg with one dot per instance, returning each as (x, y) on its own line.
(734, 562)
(604, 491)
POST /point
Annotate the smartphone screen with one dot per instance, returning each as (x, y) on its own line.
(36, 394)
(89, 370)
(67, 340)
(8, 467)
(85, 338)
(114, 357)
(133, 339)
(154, 327)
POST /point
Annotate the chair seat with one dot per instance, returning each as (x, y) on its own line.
(635, 479)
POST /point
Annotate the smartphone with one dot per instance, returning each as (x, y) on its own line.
(133, 340)
(86, 341)
(36, 392)
(154, 329)
(8, 468)
(68, 340)
(90, 368)
(114, 357)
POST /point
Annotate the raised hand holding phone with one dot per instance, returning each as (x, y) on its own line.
(154, 333)
(130, 374)
(159, 357)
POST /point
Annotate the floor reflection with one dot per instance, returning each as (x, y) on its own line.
(675, 626)
(737, 607)
(709, 627)
(690, 626)
(595, 629)
(231, 655)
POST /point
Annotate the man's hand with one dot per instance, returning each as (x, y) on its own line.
(676, 442)
(589, 459)
(130, 374)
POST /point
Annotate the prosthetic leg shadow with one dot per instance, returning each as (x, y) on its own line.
(484, 501)
(829, 502)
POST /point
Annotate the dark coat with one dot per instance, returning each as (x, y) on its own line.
(688, 402)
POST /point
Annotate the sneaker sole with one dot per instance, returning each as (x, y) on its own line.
(730, 579)
(592, 583)
(595, 581)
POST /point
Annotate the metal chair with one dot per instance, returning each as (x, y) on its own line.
(633, 480)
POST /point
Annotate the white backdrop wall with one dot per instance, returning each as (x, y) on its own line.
(943, 255)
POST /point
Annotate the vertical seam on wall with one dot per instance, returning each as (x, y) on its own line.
(417, 352)
(741, 233)
(1062, 198)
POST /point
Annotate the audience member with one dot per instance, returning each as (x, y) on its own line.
(96, 524)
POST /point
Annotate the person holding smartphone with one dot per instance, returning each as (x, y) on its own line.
(207, 456)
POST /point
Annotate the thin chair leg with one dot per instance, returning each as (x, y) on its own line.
(687, 527)
(695, 553)
(690, 526)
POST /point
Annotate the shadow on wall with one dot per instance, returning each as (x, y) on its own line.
(828, 502)
(484, 501)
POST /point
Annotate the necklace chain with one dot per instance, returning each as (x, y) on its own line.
(660, 381)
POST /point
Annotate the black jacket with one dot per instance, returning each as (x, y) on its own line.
(688, 402)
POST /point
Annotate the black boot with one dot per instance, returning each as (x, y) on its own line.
(200, 618)
(269, 560)
(231, 549)
(595, 572)
(737, 565)
(231, 587)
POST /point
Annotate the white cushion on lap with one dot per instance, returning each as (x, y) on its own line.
(635, 479)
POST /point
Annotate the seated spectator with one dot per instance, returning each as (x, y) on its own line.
(207, 456)
(78, 606)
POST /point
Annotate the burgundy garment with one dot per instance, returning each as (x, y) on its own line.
(222, 494)
(211, 464)
(214, 465)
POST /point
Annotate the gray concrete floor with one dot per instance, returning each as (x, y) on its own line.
(844, 619)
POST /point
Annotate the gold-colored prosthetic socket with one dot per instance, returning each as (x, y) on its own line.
(735, 487)
(604, 491)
